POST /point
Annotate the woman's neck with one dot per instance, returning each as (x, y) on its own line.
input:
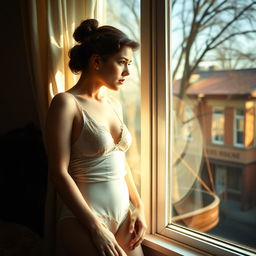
(88, 86)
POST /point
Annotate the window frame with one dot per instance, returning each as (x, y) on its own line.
(214, 114)
(155, 101)
(238, 117)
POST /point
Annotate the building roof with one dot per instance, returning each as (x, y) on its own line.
(221, 82)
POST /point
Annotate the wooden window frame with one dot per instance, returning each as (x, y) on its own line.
(162, 237)
(218, 142)
(238, 117)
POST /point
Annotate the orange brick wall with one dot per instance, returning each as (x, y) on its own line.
(204, 112)
(228, 126)
(248, 187)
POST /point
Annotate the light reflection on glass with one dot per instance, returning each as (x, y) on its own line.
(215, 77)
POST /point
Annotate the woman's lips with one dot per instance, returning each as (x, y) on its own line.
(121, 81)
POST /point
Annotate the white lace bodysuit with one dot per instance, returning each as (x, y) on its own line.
(97, 165)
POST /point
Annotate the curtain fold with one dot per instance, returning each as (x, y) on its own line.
(48, 27)
(48, 33)
(36, 42)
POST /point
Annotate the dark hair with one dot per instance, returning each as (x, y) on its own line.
(104, 41)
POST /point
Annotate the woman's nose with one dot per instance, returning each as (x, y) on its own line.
(126, 71)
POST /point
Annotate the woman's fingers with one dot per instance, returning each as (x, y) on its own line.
(132, 224)
(138, 236)
(106, 243)
(139, 241)
(120, 250)
(111, 250)
(103, 253)
(114, 250)
(108, 250)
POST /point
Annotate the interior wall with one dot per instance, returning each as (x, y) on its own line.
(16, 97)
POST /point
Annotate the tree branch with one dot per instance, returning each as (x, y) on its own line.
(206, 11)
(178, 63)
(231, 22)
(214, 11)
(173, 3)
(230, 36)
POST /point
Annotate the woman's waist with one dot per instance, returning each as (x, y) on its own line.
(99, 155)
(97, 176)
(105, 194)
(98, 169)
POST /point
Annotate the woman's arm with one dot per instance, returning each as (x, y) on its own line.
(138, 222)
(58, 133)
(133, 193)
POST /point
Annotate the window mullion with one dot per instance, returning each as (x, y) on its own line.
(161, 104)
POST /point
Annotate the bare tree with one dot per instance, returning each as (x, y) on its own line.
(203, 27)
(229, 57)
(128, 15)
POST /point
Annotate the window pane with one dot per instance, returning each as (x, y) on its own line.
(239, 126)
(234, 180)
(240, 112)
(125, 15)
(240, 138)
(217, 126)
(214, 173)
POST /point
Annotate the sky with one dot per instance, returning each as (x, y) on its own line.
(239, 42)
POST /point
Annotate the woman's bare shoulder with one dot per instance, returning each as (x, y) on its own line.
(62, 106)
(63, 98)
(63, 102)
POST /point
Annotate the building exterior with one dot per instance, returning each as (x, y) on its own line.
(224, 103)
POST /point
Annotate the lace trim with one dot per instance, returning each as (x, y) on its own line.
(109, 221)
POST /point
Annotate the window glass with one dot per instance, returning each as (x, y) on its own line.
(213, 172)
(218, 126)
(239, 128)
(125, 15)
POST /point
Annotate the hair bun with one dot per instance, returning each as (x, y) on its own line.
(85, 29)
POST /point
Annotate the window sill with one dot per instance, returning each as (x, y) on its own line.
(169, 247)
(221, 143)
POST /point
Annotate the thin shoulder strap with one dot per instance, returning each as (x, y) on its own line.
(77, 102)
(115, 111)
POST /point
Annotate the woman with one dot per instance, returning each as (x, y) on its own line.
(86, 142)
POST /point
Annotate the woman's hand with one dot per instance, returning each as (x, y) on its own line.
(138, 227)
(105, 242)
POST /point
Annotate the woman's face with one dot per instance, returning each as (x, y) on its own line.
(112, 73)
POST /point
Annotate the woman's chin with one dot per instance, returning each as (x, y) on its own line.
(114, 87)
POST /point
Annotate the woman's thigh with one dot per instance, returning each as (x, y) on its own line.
(123, 238)
(73, 239)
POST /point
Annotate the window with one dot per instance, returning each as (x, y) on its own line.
(125, 15)
(239, 127)
(234, 181)
(228, 182)
(218, 126)
(193, 184)
(188, 121)
(221, 180)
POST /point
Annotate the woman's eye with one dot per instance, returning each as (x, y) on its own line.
(122, 62)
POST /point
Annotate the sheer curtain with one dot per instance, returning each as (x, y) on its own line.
(48, 28)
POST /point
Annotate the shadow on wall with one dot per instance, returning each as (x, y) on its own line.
(23, 177)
